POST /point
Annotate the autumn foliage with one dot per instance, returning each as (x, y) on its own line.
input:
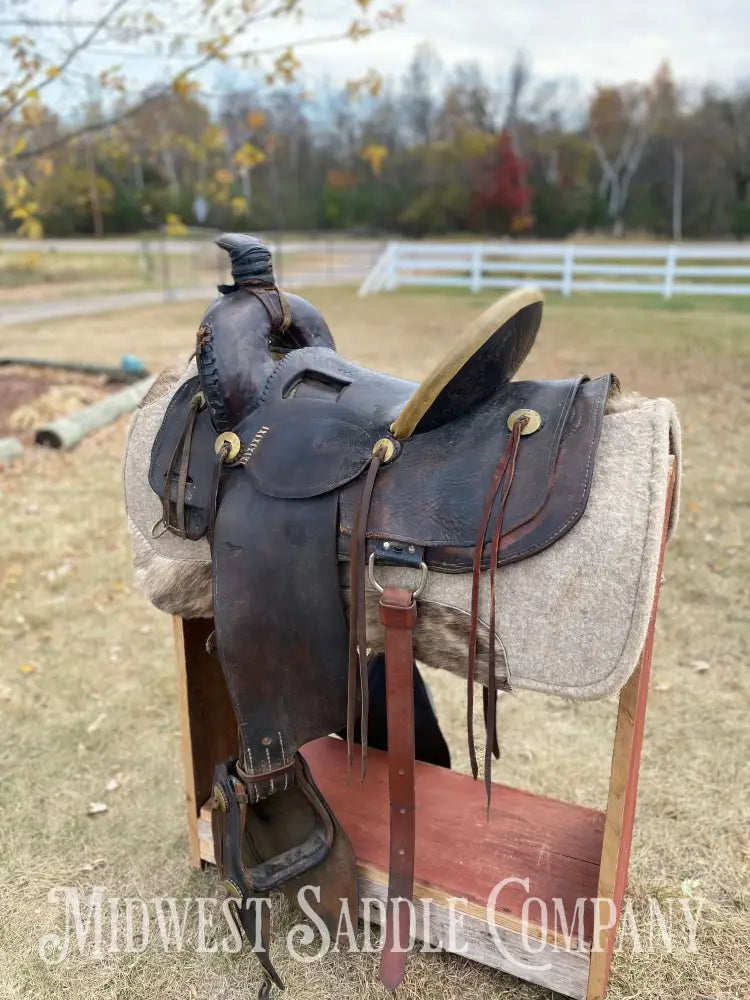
(502, 196)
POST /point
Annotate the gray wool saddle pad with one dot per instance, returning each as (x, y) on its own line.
(589, 594)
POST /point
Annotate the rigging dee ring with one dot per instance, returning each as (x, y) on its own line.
(422, 579)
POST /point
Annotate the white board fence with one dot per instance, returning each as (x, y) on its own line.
(658, 268)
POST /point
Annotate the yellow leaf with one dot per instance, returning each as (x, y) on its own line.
(52, 72)
(374, 155)
(175, 226)
(248, 156)
(27, 668)
(183, 87)
(19, 147)
(239, 206)
(256, 119)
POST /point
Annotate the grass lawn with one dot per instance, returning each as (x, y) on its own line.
(88, 698)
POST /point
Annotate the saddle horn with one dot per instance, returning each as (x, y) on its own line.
(243, 335)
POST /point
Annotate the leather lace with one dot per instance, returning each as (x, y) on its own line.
(358, 621)
(181, 456)
(502, 477)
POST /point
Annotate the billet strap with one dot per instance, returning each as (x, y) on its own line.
(398, 613)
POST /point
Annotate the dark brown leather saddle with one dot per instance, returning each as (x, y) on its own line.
(295, 462)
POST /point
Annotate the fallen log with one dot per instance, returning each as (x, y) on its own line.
(66, 432)
(130, 369)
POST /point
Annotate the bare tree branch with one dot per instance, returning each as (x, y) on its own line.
(71, 55)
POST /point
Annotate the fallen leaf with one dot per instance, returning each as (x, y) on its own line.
(90, 866)
(96, 807)
(27, 668)
(662, 687)
(112, 785)
(700, 666)
(93, 726)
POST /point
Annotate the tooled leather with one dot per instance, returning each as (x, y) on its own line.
(432, 495)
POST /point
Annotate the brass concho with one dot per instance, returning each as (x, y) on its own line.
(235, 445)
(533, 421)
(388, 448)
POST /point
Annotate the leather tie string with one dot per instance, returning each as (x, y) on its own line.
(181, 455)
(503, 475)
(358, 621)
(221, 457)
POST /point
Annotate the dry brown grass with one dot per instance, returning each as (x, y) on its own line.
(79, 645)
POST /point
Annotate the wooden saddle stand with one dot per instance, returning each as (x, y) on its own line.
(568, 852)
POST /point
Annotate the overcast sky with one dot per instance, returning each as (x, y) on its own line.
(593, 40)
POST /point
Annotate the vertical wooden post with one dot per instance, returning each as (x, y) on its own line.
(669, 271)
(207, 722)
(566, 286)
(476, 267)
(623, 792)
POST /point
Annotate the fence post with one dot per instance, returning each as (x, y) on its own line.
(476, 267)
(669, 269)
(392, 268)
(566, 286)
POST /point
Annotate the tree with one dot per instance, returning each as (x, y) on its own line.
(39, 55)
(619, 128)
(501, 193)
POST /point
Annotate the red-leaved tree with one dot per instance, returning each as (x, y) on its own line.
(501, 199)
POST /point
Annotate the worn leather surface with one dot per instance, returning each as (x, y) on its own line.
(235, 347)
(284, 670)
(198, 487)
(319, 415)
(432, 495)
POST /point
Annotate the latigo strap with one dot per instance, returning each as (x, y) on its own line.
(398, 613)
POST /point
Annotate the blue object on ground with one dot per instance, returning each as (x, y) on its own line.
(132, 365)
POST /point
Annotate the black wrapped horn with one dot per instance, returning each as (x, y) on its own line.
(245, 332)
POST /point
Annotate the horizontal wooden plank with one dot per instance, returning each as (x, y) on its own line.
(553, 847)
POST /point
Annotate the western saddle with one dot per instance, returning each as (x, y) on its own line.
(295, 462)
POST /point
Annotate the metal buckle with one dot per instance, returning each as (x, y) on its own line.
(371, 572)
